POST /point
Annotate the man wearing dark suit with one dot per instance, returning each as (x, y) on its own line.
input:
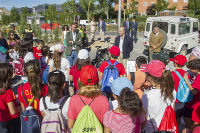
(74, 44)
(127, 27)
(102, 29)
(125, 43)
(134, 26)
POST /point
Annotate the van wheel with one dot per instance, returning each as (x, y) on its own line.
(183, 50)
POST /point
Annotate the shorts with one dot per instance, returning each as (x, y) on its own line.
(12, 126)
(179, 109)
(182, 110)
(187, 112)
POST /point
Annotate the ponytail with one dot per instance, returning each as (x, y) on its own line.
(57, 59)
(129, 102)
(32, 71)
(167, 85)
(56, 81)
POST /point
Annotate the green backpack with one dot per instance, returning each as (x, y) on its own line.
(87, 121)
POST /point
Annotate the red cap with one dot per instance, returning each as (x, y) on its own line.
(114, 50)
(179, 59)
(89, 75)
(155, 68)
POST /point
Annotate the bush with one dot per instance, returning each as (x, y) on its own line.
(57, 35)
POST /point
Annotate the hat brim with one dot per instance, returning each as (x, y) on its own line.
(171, 59)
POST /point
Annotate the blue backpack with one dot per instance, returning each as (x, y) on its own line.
(183, 93)
(30, 119)
(45, 75)
(110, 74)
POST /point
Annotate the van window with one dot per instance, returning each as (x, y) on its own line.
(184, 28)
(195, 26)
(162, 25)
(173, 29)
(148, 27)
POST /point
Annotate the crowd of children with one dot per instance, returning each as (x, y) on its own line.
(35, 92)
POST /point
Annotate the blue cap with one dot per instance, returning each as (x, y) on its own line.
(119, 84)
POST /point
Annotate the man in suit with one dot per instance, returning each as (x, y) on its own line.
(127, 27)
(102, 29)
(125, 43)
(74, 44)
(134, 26)
(155, 42)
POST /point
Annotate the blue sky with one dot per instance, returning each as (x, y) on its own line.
(29, 3)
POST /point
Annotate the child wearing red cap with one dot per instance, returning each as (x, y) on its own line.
(194, 66)
(114, 53)
(89, 91)
(162, 94)
(179, 62)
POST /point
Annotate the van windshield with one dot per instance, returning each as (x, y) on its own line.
(162, 25)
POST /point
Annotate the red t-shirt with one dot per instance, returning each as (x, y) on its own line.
(99, 106)
(28, 95)
(6, 98)
(119, 66)
(37, 53)
(196, 98)
(177, 79)
(196, 113)
(76, 74)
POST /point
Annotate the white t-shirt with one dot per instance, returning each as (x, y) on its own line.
(51, 105)
(29, 56)
(93, 28)
(14, 55)
(155, 105)
(64, 66)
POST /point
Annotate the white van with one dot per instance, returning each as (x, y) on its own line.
(182, 32)
(84, 22)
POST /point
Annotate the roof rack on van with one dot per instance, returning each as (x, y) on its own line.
(173, 13)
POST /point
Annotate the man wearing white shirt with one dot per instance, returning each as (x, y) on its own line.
(74, 44)
(93, 29)
(125, 43)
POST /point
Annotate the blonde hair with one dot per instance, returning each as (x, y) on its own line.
(89, 91)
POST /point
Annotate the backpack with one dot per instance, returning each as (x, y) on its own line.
(30, 118)
(87, 121)
(132, 77)
(168, 123)
(19, 66)
(109, 75)
(53, 121)
(183, 94)
(45, 75)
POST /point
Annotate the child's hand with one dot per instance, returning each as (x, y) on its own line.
(186, 77)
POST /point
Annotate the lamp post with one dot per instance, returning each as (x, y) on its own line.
(119, 15)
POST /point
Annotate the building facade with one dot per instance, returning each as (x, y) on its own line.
(144, 4)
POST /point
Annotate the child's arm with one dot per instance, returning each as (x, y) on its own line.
(13, 110)
(129, 76)
(22, 105)
(193, 90)
(70, 123)
(106, 130)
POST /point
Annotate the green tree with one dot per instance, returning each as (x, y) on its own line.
(24, 14)
(87, 5)
(133, 8)
(14, 15)
(51, 14)
(5, 19)
(70, 11)
(194, 4)
(105, 6)
(161, 5)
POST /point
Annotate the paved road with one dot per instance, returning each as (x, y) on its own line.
(137, 50)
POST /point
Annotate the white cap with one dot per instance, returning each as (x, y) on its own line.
(57, 47)
(83, 54)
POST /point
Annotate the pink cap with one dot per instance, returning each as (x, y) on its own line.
(155, 68)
